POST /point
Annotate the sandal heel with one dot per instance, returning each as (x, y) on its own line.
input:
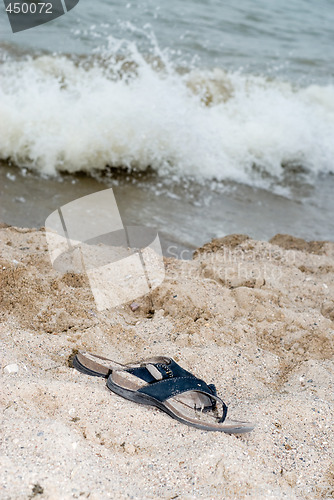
(82, 369)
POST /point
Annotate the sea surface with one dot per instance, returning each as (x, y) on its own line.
(206, 117)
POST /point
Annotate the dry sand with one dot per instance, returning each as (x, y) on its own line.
(255, 318)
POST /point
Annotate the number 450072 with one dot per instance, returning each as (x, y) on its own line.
(31, 8)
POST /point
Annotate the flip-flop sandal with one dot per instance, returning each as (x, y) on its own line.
(162, 383)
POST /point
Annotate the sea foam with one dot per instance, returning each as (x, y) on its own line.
(59, 115)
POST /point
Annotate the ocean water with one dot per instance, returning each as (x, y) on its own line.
(208, 117)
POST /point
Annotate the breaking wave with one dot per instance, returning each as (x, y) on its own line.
(121, 109)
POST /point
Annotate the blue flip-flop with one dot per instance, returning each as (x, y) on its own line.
(162, 383)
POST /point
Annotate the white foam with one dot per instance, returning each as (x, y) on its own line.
(60, 116)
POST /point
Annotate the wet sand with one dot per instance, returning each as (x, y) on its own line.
(187, 214)
(254, 317)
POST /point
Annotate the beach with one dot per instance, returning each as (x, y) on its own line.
(212, 125)
(253, 317)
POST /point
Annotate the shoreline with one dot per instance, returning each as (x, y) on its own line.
(254, 317)
(185, 215)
